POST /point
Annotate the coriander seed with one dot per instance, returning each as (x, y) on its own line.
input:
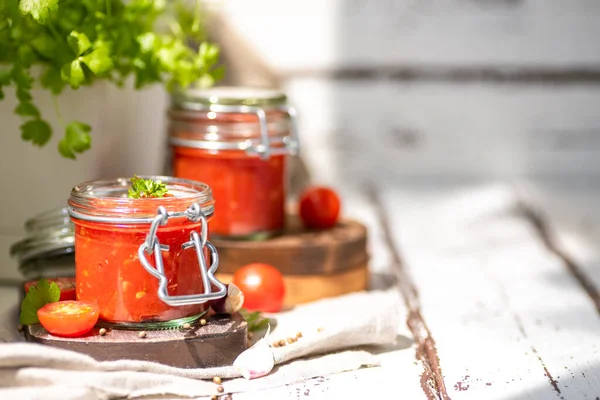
(214, 397)
(320, 329)
(282, 343)
(142, 334)
(299, 335)
(217, 380)
(186, 326)
(290, 340)
(102, 331)
(220, 389)
(202, 322)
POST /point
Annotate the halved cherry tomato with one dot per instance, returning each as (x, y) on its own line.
(319, 207)
(66, 286)
(263, 287)
(69, 318)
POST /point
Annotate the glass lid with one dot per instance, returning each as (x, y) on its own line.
(46, 234)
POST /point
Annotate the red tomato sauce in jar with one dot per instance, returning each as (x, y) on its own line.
(250, 189)
(107, 266)
(238, 141)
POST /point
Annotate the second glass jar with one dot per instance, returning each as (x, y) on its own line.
(237, 140)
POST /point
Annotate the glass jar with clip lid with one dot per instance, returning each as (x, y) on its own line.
(237, 140)
(145, 261)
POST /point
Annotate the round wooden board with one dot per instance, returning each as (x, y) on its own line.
(299, 251)
(306, 288)
(218, 343)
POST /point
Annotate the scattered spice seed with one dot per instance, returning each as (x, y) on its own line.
(291, 340)
(102, 331)
(217, 380)
(220, 389)
(20, 328)
(214, 397)
(142, 334)
(186, 326)
(299, 335)
(203, 322)
(320, 329)
(282, 343)
(275, 344)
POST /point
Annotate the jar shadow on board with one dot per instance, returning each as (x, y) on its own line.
(237, 140)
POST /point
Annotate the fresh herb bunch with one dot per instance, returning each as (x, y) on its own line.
(145, 188)
(77, 42)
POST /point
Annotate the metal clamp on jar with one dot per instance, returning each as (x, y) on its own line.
(145, 261)
(237, 140)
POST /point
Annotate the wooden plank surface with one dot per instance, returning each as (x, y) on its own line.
(508, 320)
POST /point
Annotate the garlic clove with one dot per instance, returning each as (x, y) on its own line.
(257, 360)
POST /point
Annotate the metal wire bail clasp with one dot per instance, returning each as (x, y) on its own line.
(197, 241)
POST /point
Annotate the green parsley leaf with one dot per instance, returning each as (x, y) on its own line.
(45, 44)
(65, 150)
(27, 109)
(23, 94)
(40, 10)
(52, 79)
(37, 131)
(254, 320)
(73, 74)
(145, 188)
(37, 297)
(79, 42)
(4, 75)
(98, 61)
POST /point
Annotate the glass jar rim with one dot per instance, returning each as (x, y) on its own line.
(265, 98)
(107, 201)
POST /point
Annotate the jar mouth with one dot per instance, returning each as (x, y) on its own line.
(108, 198)
(265, 98)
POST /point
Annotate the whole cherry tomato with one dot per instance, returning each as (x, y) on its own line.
(69, 318)
(66, 286)
(263, 287)
(319, 207)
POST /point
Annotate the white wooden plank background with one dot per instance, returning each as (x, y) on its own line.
(358, 129)
(325, 35)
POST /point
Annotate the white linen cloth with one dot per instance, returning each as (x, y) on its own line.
(32, 371)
